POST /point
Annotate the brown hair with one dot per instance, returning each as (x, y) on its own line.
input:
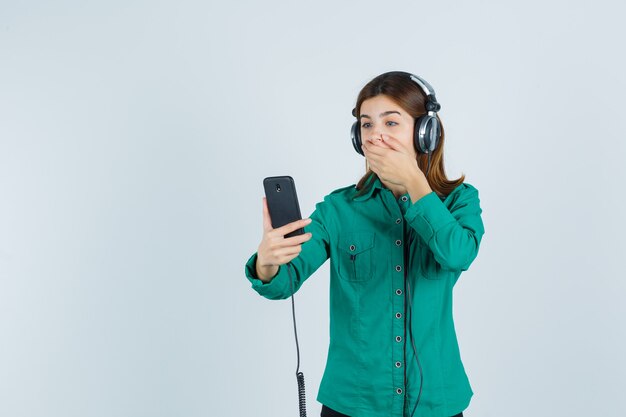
(407, 94)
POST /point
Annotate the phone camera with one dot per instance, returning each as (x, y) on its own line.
(278, 188)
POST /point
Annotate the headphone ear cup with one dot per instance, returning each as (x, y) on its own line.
(436, 134)
(355, 135)
(426, 134)
(418, 139)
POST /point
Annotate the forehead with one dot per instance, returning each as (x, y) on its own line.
(380, 102)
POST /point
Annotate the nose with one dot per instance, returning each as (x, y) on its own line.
(376, 134)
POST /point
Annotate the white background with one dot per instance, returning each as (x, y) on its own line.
(134, 138)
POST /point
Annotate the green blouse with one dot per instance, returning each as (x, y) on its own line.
(371, 369)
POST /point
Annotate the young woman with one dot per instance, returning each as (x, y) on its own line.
(398, 241)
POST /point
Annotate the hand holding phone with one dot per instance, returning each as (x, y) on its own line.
(283, 228)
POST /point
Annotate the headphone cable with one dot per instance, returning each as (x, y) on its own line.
(408, 295)
(414, 349)
(427, 167)
(299, 375)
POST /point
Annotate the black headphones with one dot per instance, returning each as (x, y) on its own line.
(426, 132)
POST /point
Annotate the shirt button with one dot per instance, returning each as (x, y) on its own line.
(398, 221)
(398, 364)
(399, 291)
(399, 391)
(398, 315)
(398, 338)
(404, 198)
(398, 268)
(352, 247)
(398, 242)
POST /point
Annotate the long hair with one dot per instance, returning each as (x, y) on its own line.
(407, 94)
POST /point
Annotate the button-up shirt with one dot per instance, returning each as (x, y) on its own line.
(380, 249)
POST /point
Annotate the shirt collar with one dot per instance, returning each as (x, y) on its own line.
(375, 184)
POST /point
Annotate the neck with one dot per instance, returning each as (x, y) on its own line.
(396, 189)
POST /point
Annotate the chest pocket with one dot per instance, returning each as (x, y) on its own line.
(356, 261)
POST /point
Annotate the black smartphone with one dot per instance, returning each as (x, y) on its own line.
(282, 202)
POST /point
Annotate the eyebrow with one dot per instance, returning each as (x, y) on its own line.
(382, 114)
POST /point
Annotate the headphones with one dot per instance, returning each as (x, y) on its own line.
(426, 132)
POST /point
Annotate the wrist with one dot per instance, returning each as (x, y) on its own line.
(417, 186)
(265, 272)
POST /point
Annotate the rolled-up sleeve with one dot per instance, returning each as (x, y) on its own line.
(314, 253)
(452, 234)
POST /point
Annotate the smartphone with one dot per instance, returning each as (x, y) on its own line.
(282, 202)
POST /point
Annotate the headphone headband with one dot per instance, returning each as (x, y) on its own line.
(428, 89)
(432, 106)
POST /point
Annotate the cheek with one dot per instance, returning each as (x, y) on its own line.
(407, 141)
(407, 138)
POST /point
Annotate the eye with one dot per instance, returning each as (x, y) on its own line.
(367, 124)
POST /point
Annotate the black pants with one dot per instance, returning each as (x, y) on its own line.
(329, 412)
